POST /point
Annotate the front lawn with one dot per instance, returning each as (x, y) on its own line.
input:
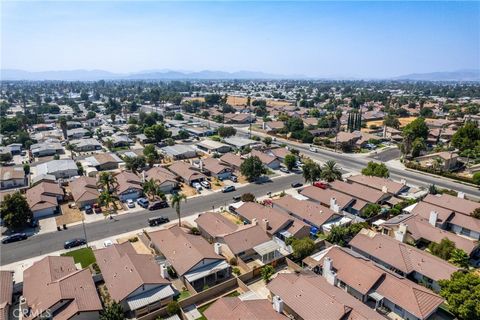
(84, 256)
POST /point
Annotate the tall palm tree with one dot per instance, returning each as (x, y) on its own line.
(175, 203)
(152, 189)
(106, 198)
(107, 181)
(330, 171)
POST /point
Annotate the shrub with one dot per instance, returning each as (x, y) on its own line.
(173, 308)
(195, 231)
(233, 261)
(133, 239)
(248, 197)
(267, 272)
(236, 271)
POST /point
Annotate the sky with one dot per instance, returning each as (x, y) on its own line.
(317, 39)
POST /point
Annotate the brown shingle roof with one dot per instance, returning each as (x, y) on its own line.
(214, 166)
(245, 239)
(307, 210)
(378, 183)
(128, 180)
(215, 224)
(43, 195)
(124, 270)
(6, 291)
(11, 173)
(181, 249)
(277, 219)
(84, 188)
(453, 203)
(160, 174)
(324, 196)
(232, 159)
(401, 256)
(265, 158)
(185, 171)
(358, 191)
(53, 279)
(236, 309)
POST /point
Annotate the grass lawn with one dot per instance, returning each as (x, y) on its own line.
(184, 294)
(84, 256)
(233, 294)
(202, 310)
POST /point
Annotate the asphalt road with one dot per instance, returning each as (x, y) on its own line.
(50, 242)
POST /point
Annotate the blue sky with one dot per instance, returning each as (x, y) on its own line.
(360, 39)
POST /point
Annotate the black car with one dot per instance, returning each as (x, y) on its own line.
(74, 243)
(88, 209)
(158, 205)
(14, 238)
(156, 221)
(297, 184)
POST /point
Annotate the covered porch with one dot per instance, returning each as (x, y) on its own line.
(208, 275)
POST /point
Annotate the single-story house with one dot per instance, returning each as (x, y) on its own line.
(240, 143)
(6, 293)
(179, 151)
(382, 184)
(83, 145)
(104, 161)
(129, 186)
(457, 204)
(213, 225)
(77, 133)
(236, 308)
(211, 146)
(186, 173)
(61, 169)
(167, 181)
(212, 167)
(43, 198)
(269, 161)
(84, 191)
(46, 149)
(447, 160)
(12, 177)
(232, 160)
(273, 126)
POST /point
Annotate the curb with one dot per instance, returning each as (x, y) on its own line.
(442, 177)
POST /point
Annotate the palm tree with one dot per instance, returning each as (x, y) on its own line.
(63, 125)
(152, 189)
(70, 147)
(106, 198)
(311, 171)
(175, 203)
(330, 171)
(107, 181)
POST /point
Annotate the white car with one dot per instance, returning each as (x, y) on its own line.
(130, 203)
(107, 243)
(197, 186)
(205, 184)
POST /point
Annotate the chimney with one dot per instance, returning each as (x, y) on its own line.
(404, 182)
(277, 304)
(201, 165)
(401, 233)
(265, 224)
(263, 125)
(217, 247)
(328, 273)
(163, 271)
(334, 205)
(143, 176)
(461, 195)
(433, 218)
(254, 221)
(384, 189)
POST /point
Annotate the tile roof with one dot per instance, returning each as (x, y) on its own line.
(84, 188)
(312, 297)
(358, 191)
(185, 171)
(124, 270)
(6, 292)
(307, 210)
(277, 220)
(182, 250)
(232, 159)
(128, 180)
(402, 256)
(265, 158)
(215, 224)
(377, 183)
(53, 279)
(43, 195)
(453, 203)
(245, 239)
(160, 174)
(235, 309)
(324, 196)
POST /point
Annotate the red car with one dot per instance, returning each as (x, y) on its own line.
(97, 208)
(320, 184)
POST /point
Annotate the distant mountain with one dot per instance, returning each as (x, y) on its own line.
(164, 74)
(459, 75)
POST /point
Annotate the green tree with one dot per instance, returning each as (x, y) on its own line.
(107, 181)
(370, 210)
(6, 157)
(462, 294)
(248, 197)
(311, 171)
(91, 115)
(175, 202)
(443, 249)
(460, 258)
(62, 121)
(341, 235)
(157, 133)
(152, 189)
(226, 132)
(415, 129)
(151, 154)
(15, 211)
(391, 121)
(267, 141)
(173, 308)
(290, 161)
(302, 248)
(330, 171)
(376, 169)
(476, 213)
(294, 124)
(418, 146)
(112, 311)
(467, 136)
(26, 168)
(178, 116)
(108, 199)
(134, 164)
(252, 168)
(267, 272)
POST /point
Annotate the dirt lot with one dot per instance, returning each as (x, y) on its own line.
(216, 184)
(231, 217)
(69, 215)
(138, 245)
(241, 101)
(403, 122)
(188, 190)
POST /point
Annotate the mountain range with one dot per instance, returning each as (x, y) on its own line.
(166, 74)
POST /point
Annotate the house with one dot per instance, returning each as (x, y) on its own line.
(310, 122)
(129, 186)
(236, 308)
(214, 225)
(346, 139)
(382, 184)
(250, 243)
(211, 146)
(55, 288)
(279, 153)
(46, 149)
(15, 148)
(117, 140)
(61, 169)
(136, 281)
(77, 133)
(374, 285)
(84, 145)
(84, 191)
(232, 160)
(104, 161)
(401, 258)
(12, 177)
(238, 118)
(275, 223)
(312, 297)
(240, 143)
(197, 131)
(212, 167)
(335, 200)
(166, 180)
(179, 151)
(92, 123)
(192, 257)
(445, 160)
(6, 293)
(359, 191)
(73, 124)
(268, 161)
(413, 228)
(456, 204)
(273, 126)
(315, 215)
(186, 173)
(43, 199)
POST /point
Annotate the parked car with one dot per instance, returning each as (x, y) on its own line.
(313, 149)
(130, 203)
(233, 178)
(298, 164)
(206, 184)
(297, 184)
(142, 202)
(97, 208)
(33, 223)
(321, 184)
(14, 238)
(158, 205)
(228, 189)
(74, 243)
(237, 198)
(284, 170)
(107, 243)
(88, 209)
(197, 186)
(156, 221)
